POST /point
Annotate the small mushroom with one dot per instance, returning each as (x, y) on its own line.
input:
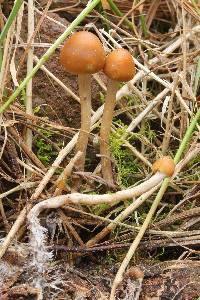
(164, 165)
(119, 66)
(83, 55)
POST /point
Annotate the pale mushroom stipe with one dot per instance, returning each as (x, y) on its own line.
(119, 66)
(83, 55)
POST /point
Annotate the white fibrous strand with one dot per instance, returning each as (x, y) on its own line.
(38, 236)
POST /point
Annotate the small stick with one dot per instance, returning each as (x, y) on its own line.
(60, 183)
(167, 133)
(147, 110)
(12, 233)
(21, 186)
(25, 148)
(29, 105)
(138, 154)
(3, 215)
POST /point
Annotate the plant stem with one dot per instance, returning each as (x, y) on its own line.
(118, 12)
(144, 26)
(29, 104)
(187, 137)
(196, 6)
(10, 20)
(49, 52)
(1, 26)
(106, 124)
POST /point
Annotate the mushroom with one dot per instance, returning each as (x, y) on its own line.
(119, 66)
(164, 165)
(83, 55)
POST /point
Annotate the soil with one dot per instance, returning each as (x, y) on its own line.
(91, 280)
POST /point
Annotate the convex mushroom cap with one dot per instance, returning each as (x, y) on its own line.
(119, 65)
(83, 53)
(164, 165)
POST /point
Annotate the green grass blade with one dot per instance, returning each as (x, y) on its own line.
(187, 137)
(116, 10)
(10, 20)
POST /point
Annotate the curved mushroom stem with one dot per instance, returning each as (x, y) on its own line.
(38, 232)
(106, 123)
(84, 82)
(78, 198)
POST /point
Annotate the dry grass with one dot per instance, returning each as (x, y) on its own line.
(152, 114)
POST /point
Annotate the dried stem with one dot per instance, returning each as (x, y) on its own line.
(61, 181)
(29, 105)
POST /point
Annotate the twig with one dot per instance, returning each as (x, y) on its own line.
(178, 217)
(60, 183)
(29, 105)
(25, 148)
(21, 186)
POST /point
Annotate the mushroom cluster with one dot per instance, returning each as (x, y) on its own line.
(83, 55)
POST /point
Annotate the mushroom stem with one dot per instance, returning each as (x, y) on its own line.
(78, 198)
(106, 123)
(84, 83)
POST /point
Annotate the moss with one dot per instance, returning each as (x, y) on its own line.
(124, 159)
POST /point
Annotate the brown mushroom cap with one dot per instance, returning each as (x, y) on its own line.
(134, 272)
(165, 165)
(82, 53)
(119, 65)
